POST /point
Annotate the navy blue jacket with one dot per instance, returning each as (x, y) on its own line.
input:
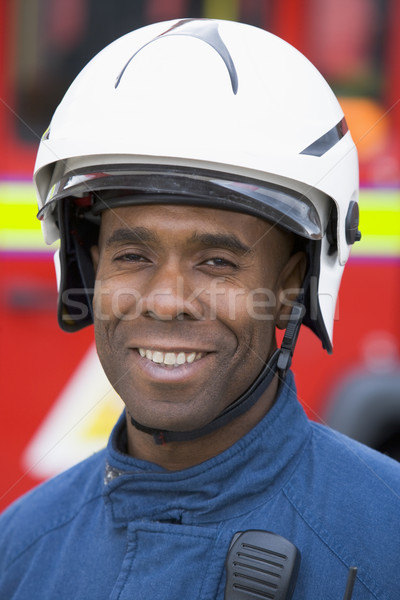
(119, 528)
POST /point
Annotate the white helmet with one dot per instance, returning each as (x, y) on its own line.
(206, 112)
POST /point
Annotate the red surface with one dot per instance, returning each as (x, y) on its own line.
(367, 306)
(36, 360)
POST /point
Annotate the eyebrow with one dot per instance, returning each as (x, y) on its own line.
(229, 241)
(132, 234)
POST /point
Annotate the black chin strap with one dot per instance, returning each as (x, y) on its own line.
(280, 361)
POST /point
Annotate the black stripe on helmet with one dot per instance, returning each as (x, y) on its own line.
(328, 140)
(202, 29)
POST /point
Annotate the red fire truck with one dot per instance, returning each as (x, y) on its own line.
(56, 406)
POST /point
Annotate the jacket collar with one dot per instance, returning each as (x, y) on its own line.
(228, 485)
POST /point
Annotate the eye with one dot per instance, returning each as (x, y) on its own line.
(220, 262)
(131, 257)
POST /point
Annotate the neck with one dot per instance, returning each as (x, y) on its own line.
(176, 456)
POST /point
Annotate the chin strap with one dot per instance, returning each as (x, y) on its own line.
(280, 361)
(290, 338)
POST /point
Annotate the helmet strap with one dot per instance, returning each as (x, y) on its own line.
(290, 337)
(279, 361)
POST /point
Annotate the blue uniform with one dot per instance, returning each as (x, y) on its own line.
(119, 528)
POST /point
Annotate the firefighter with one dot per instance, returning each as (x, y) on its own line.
(203, 183)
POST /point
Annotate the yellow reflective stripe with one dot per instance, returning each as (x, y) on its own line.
(18, 206)
(17, 192)
(19, 216)
(19, 228)
(380, 212)
(379, 223)
(23, 240)
(222, 9)
(377, 245)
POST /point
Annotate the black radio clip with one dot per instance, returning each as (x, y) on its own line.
(264, 565)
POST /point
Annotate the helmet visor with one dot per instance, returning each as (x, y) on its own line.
(110, 186)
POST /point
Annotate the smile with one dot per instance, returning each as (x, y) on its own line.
(170, 359)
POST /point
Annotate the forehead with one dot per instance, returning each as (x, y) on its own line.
(182, 221)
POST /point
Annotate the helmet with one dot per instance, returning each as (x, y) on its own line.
(206, 112)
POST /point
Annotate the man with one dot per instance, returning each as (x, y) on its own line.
(204, 185)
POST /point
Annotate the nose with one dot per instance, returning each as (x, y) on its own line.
(169, 295)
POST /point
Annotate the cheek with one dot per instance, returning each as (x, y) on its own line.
(251, 317)
(228, 305)
(261, 305)
(244, 305)
(114, 300)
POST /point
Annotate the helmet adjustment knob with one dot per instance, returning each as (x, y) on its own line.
(352, 222)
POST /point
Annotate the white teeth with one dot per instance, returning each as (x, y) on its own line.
(170, 359)
(158, 357)
(181, 358)
(190, 358)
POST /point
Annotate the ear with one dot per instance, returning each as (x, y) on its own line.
(290, 286)
(95, 254)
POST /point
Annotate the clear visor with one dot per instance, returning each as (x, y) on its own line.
(110, 186)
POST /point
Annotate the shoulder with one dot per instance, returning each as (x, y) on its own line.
(344, 474)
(349, 496)
(355, 464)
(49, 506)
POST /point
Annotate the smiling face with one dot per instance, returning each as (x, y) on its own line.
(186, 303)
